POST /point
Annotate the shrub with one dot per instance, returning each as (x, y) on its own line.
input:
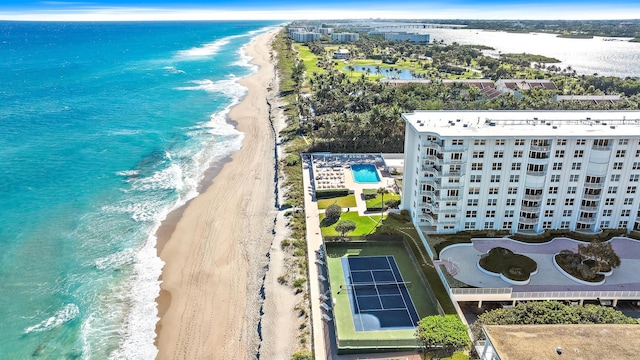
(392, 204)
(331, 193)
(514, 266)
(332, 213)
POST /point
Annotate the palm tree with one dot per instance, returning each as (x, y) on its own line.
(382, 191)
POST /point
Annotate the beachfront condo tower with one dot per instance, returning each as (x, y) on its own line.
(522, 171)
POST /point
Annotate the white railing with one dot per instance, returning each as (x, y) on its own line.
(480, 291)
(576, 295)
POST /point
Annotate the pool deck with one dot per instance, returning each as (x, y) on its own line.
(343, 163)
(461, 261)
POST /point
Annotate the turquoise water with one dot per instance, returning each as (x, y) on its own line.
(365, 173)
(104, 129)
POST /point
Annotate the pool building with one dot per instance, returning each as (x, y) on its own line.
(522, 171)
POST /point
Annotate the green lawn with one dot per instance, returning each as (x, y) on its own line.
(364, 224)
(377, 201)
(348, 337)
(348, 201)
(309, 59)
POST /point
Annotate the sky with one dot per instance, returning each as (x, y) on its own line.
(127, 10)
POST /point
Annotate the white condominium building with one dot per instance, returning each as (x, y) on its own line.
(522, 171)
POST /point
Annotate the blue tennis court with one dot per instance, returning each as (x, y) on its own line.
(378, 295)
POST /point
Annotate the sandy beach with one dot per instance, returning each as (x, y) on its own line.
(216, 248)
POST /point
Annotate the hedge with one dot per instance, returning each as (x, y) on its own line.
(329, 193)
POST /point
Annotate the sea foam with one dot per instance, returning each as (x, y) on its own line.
(67, 313)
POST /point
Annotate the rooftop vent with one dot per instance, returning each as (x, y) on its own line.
(492, 124)
(612, 126)
(588, 118)
(421, 124)
(458, 120)
(465, 125)
(554, 127)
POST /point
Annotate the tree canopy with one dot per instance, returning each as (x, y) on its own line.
(333, 213)
(601, 253)
(446, 333)
(345, 227)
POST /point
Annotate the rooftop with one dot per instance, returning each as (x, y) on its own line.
(521, 342)
(526, 123)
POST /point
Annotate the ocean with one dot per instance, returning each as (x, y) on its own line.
(104, 129)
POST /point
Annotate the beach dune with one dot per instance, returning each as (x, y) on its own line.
(214, 253)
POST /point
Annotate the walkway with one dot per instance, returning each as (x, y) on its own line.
(466, 256)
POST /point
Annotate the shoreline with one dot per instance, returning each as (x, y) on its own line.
(215, 246)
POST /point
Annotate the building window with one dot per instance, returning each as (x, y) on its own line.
(469, 225)
(517, 154)
(492, 202)
(565, 224)
(569, 202)
(617, 166)
(609, 201)
(479, 142)
(634, 178)
(612, 190)
(636, 165)
(620, 153)
(578, 153)
(623, 224)
(572, 189)
(495, 178)
(615, 177)
(472, 202)
(475, 178)
(567, 212)
(472, 213)
(548, 213)
(500, 142)
(507, 225)
(496, 166)
(511, 202)
(576, 166)
(488, 225)
(498, 154)
(557, 166)
(559, 153)
(457, 142)
(509, 213)
(474, 190)
(607, 212)
(637, 153)
(628, 201)
(519, 142)
(493, 191)
(478, 154)
(546, 224)
(551, 202)
(476, 166)
(491, 213)
(623, 142)
(631, 189)
(581, 142)
(555, 178)
(625, 212)
(512, 190)
(516, 166)
(553, 190)
(604, 224)
(562, 142)
(514, 178)
(574, 178)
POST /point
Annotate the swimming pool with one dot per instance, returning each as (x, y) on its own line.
(365, 173)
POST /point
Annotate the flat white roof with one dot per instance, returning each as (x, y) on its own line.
(527, 123)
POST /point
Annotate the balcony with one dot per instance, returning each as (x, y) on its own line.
(587, 220)
(530, 209)
(528, 221)
(433, 145)
(602, 148)
(453, 174)
(429, 169)
(536, 173)
(447, 220)
(428, 193)
(451, 197)
(596, 186)
(540, 148)
(426, 218)
(591, 196)
(533, 196)
(590, 209)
